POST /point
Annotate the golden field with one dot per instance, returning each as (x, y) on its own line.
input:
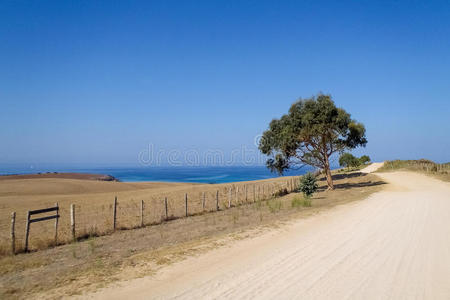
(94, 200)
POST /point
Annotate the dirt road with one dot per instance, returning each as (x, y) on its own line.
(393, 245)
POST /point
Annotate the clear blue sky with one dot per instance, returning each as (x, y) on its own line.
(97, 81)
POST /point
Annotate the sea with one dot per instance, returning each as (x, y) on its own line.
(200, 174)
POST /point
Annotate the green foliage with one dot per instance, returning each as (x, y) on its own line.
(308, 184)
(299, 202)
(365, 159)
(310, 133)
(348, 160)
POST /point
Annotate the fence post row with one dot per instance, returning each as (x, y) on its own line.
(259, 192)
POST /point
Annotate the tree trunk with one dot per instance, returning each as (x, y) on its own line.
(328, 174)
(329, 178)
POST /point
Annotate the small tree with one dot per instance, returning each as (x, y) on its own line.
(308, 184)
(365, 159)
(348, 160)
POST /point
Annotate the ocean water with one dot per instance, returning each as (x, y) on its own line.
(167, 174)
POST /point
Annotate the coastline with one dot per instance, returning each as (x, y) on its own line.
(175, 174)
(58, 175)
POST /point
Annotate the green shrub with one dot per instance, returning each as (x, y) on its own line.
(308, 184)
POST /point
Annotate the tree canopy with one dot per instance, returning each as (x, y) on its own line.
(364, 159)
(312, 131)
(348, 160)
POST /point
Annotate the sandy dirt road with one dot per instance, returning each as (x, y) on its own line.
(393, 245)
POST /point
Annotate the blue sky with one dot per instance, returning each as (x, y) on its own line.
(96, 82)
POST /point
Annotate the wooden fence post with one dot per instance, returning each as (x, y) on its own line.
(186, 200)
(142, 213)
(114, 213)
(254, 194)
(13, 233)
(165, 205)
(229, 198)
(56, 224)
(27, 231)
(237, 195)
(259, 193)
(203, 201)
(217, 200)
(72, 221)
(246, 193)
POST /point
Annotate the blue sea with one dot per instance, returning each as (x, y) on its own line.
(214, 174)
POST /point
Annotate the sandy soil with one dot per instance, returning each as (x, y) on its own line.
(372, 167)
(395, 244)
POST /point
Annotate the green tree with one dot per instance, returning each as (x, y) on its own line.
(312, 131)
(348, 160)
(308, 184)
(365, 159)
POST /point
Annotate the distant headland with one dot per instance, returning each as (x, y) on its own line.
(82, 176)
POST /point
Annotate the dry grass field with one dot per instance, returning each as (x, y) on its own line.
(86, 265)
(94, 200)
(425, 166)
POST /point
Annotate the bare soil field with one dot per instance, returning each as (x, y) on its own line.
(393, 245)
(76, 268)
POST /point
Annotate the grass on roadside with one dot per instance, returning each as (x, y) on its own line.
(301, 202)
(441, 171)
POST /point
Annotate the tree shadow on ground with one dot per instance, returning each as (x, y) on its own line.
(344, 176)
(350, 185)
(353, 185)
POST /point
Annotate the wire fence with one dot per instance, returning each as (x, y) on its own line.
(133, 210)
(418, 165)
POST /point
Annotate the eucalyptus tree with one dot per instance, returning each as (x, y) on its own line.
(309, 134)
